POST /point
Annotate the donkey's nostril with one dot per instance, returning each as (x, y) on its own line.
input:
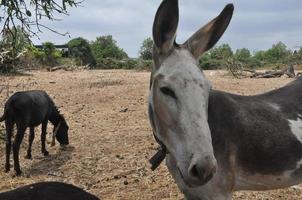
(194, 171)
(197, 172)
(202, 170)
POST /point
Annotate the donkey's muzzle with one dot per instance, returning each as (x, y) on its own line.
(202, 170)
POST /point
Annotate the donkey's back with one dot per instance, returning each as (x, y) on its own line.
(30, 108)
(47, 191)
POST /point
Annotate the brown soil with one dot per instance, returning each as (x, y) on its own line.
(111, 139)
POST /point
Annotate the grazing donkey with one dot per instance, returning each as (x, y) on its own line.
(29, 109)
(215, 142)
(47, 191)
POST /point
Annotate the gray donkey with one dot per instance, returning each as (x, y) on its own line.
(215, 142)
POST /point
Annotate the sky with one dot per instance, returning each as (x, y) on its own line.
(256, 24)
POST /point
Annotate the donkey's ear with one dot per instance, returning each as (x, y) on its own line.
(206, 37)
(165, 25)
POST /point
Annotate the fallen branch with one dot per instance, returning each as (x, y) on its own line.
(290, 72)
(268, 74)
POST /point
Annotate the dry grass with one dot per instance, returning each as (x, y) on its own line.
(109, 150)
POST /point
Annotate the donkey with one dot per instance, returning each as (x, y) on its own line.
(30, 109)
(216, 142)
(47, 191)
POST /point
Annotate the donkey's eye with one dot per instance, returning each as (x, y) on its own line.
(168, 91)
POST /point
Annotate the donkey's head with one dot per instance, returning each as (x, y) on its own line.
(178, 102)
(61, 131)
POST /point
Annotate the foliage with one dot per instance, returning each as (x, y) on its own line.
(51, 54)
(79, 49)
(206, 62)
(216, 58)
(128, 63)
(18, 41)
(242, 55)
(11, 49)
(30, 13)
(275, 57)
(296, 57)
(36, 53)
(222, 52)
(145, 51)
(106, 47)
(22, 19)
(277, 54)
(35, 57)
(68, 61)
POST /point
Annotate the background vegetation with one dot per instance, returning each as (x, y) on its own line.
(22, 20)
(104, 53)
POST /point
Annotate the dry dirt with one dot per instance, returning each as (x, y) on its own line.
(111, 140)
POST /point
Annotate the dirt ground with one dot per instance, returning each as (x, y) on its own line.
(110, 135)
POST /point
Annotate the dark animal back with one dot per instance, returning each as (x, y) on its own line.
(29, 108)
(48, 191)
(261, 133)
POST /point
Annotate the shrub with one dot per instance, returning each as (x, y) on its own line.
(146, 49)
(79, 49)
(130, 63)
(106, 47)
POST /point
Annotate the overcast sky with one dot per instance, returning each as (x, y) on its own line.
(256, 24)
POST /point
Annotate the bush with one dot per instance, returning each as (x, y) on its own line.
(47, 56)
(67, 61)
(51, 54)
(110, 63)
(144, 65)
(146, 49)
(106, 47)
(12, 45)
(79, 49)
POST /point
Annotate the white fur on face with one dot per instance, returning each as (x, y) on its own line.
(185, 119)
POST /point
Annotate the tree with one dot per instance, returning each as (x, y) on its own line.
(277, 54)
(222, 52)
(145, 51)
(259, 55)
(205, 62)
(11, 49)
(298, 56)
(216, 57)
(16, 44)
(79, 48)
(242, 55)
(300, 51)
(30, 13)
(51, 54)
(27, 14)
(106, 47)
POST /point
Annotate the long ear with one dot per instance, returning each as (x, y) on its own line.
(206, 37)
(165, 25)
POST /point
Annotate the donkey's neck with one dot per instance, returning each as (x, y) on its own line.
(55, 117)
